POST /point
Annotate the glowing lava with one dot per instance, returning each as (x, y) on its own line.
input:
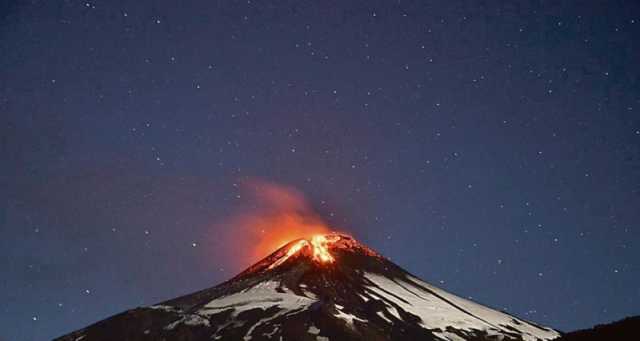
(318, 246)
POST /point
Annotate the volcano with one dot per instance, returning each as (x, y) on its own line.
(327, 287)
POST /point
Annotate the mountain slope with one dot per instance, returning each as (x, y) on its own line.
(327, 287)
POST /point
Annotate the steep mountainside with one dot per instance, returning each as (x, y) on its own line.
(328, 287)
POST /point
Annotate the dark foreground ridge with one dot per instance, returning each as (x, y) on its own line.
(623, 330)
(328, 287)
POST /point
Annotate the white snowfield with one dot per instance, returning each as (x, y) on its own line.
(436, 308)
(346, 316)
(439, 309)
(263, 295)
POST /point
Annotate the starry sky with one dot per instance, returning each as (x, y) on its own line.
(490, 147)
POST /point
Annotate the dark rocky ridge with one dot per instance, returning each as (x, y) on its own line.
(623, 330)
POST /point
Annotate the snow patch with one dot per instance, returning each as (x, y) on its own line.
(394, 312)
(438, 309)
(346, 316)
(453, 337)
(381, 314)
(273, 332)
(313, 330)
(267, 319)
(190, 320)
(261, 296)
(166, 308)
(233, 324)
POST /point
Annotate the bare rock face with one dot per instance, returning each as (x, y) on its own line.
(328, 287)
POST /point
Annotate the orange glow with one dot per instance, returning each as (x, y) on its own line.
(319, 249)
(320, 244)
(278, 230)
(269, 216)
(292, 251)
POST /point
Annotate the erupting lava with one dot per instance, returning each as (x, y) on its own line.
(318, 247)
(320, 244)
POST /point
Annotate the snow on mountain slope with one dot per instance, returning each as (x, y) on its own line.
(263, 295)
(329, 287)
(438, 309)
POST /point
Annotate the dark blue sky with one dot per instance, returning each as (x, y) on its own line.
(490, 148)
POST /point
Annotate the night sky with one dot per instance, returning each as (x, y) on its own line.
(490, 148)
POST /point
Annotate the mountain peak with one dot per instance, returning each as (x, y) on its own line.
(322, 287)
(317, 247)
(321, 250)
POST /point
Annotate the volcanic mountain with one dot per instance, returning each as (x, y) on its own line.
(327, 287)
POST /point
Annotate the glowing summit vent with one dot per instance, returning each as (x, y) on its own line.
(317, 247)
